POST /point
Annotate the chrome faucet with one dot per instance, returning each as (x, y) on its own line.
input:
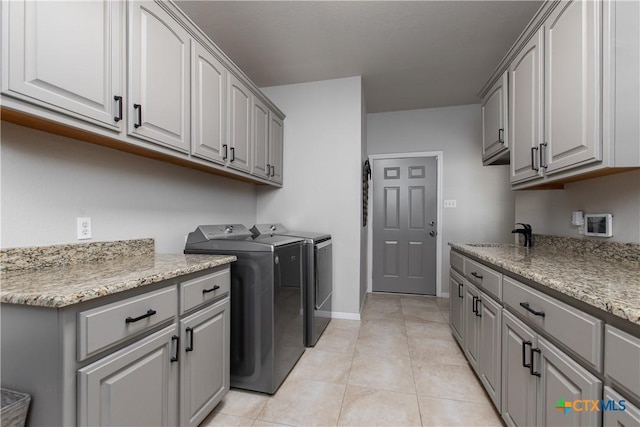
(526, 232)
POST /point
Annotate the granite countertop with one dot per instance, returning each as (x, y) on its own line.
(65, 282)
(611, 284)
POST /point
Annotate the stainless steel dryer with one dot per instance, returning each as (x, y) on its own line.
(318, 273)
(266, 302)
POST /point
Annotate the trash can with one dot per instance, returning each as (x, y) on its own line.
(15, 406)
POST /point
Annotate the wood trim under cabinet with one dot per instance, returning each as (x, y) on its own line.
(38, 123)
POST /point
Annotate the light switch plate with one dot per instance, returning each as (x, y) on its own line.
(450, 203)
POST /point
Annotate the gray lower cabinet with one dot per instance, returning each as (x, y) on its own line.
(489, 354)
(134, 386)
(555, 377)
(471, 325)
(456, 306)
(204, 368)
(619, 415)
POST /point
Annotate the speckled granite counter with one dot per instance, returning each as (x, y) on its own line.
(609, 284)
(66, 282)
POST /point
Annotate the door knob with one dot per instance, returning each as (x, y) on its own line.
(432, 233)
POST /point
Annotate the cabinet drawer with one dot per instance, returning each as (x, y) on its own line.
(489, 280)
(202, 289)
(575, 329)
(619, 415)
(622, 359)
(456, 260)
(104, 326)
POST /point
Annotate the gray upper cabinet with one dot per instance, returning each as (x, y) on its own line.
(260, 139)
(525, 105)
(136, 386)
(573, 89)
(80, 72)
(276, 148)
(573, 86)
(494, 123)
(239, 110)
(159, 84)
(209, 109)
(142, 79)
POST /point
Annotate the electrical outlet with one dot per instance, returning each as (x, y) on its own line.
(84, 228)
(581, 229)
(450, 203)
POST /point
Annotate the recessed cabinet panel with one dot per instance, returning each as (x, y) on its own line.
(525, 104)
(391, 259)
(456, 299)
(494, 119)
(276, 148)
(260, 139)
(416, 259)
(160, 78)
(417, 208)
(68, 56)
(392, 208)
(572, 86)
(209, 105)
(134, 386)
(239, 124)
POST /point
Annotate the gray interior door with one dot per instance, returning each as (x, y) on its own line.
(404, 225)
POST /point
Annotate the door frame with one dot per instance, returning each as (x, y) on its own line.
(439, 162)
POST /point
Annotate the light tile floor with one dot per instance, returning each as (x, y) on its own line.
(399, 366)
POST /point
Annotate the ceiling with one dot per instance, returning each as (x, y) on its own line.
(410, 54)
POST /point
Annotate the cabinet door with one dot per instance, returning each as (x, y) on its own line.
(494, 119)
(204, 367)
(518, 385)
(209, 105)
(563, 380)
(525, 110)
(260, 139)
(276, 148)
(68, 56)
(136, 386)
(471, 325)
(618, 416)
(159, 80)
(490, 351)
(456, 299)
(239, 111)
(573, 85)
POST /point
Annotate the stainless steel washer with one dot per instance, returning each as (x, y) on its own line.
(266, 302)
(318, 277)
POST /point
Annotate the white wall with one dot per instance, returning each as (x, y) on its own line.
(549, 211)
(364, 230)
(322, 137)
(48, 181)
(485, 203)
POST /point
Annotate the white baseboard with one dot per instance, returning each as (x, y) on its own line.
(348, 316)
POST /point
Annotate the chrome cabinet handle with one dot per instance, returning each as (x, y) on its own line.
(118, 99)
(139, 108)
